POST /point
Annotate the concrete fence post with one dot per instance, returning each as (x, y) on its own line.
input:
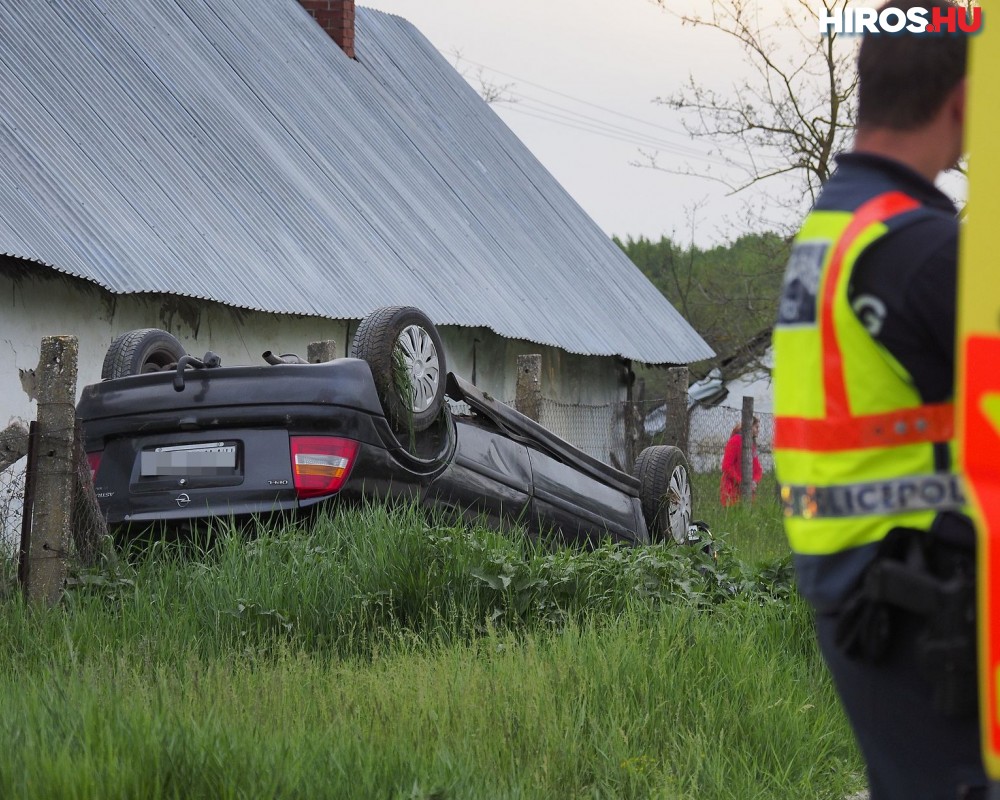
(52, 511)
(746, 454)
(528, 397)
(633, 419)
(320, 352)
(13, 444)
(675, 429)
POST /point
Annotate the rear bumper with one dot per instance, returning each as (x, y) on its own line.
(266, 485)
(255, 409)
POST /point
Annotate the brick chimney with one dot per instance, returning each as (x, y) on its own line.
(336, 17)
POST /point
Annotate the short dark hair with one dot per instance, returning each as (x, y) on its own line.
(903, 78)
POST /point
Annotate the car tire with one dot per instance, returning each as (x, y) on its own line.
(665, 493)
(140, 351)
(407, 328)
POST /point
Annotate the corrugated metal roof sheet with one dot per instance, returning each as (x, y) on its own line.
(229, 150)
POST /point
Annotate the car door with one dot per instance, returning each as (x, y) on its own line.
(488, 479)
(576, 507)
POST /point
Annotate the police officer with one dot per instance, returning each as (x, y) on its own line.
(864, 430)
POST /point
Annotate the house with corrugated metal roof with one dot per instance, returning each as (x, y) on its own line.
(256, 175)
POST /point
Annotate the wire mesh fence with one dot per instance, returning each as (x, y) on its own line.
(710, 429)
(11, 506)
(602, 431)
(617, 432)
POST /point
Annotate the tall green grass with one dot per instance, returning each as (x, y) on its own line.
(377, 654)
(753, 530)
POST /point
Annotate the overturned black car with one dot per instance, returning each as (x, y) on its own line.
(172, 438)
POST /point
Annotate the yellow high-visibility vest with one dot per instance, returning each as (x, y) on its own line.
(978, 379)
(854, 445)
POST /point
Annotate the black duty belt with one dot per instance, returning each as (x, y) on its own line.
(940, 492)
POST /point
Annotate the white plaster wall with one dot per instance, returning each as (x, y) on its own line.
(34, 307)
(43, 303)
(490, 361)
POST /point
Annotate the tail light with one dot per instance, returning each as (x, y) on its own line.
(94, 461)
(321, 464)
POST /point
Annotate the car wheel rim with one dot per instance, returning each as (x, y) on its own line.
(679, 505)
(420, 357)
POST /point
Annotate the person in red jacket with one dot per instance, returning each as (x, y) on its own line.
(732, 469)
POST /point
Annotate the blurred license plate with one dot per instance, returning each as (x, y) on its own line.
(206, 458)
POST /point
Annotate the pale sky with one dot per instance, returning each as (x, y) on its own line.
(593, 64)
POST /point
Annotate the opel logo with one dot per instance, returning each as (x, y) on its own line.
(182, 499)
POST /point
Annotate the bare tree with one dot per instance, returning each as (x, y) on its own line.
(490, 91)
(792, 111)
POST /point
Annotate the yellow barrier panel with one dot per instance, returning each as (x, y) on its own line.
(979, 366)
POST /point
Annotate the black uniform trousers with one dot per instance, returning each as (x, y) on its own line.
(913, 751)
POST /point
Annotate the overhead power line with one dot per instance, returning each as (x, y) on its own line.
(569, 118)
(677, 131)
(534, 107)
